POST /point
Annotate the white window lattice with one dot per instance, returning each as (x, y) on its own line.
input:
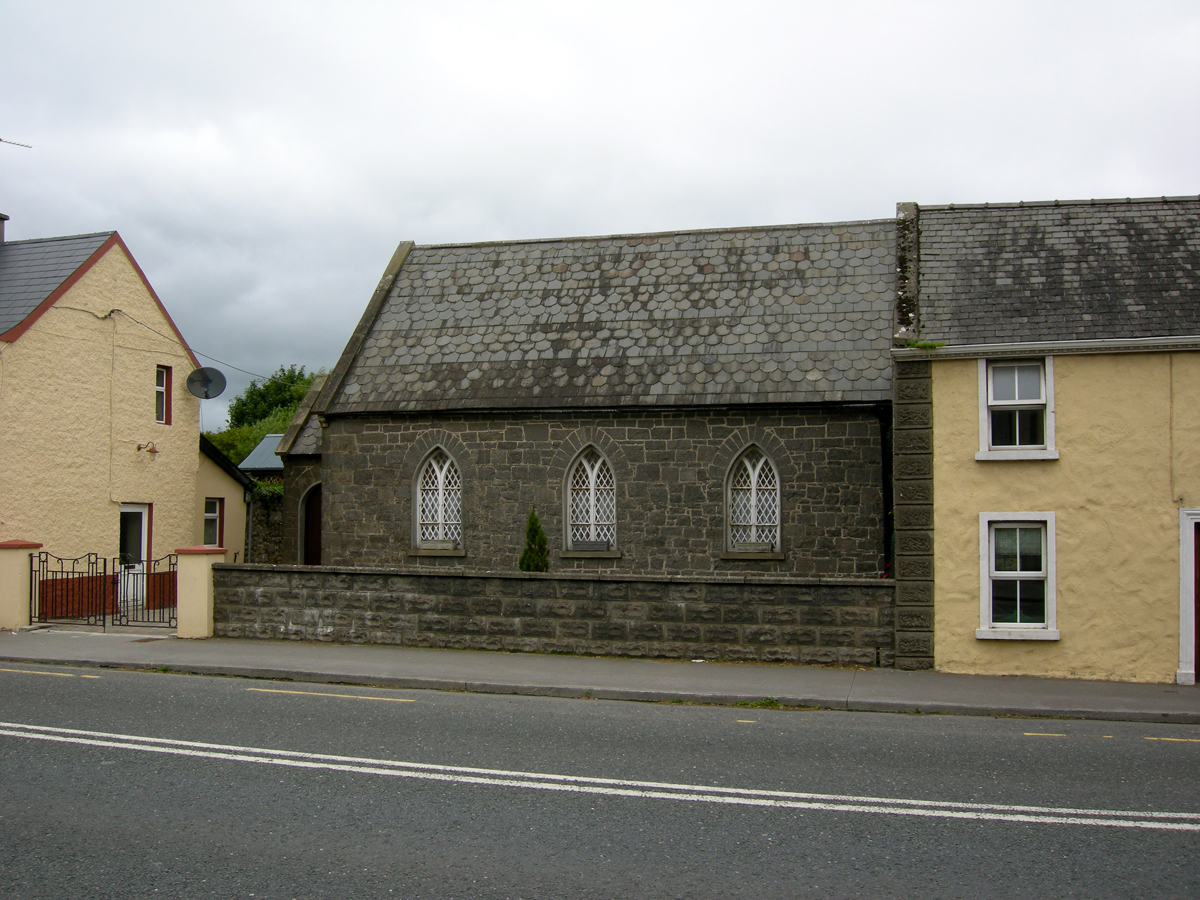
(441, 499)
(593, 500)
(753, 500)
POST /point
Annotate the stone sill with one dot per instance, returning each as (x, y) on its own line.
(750, 555)
(589, 554)
(421, 552)
(994, 455)
(1017, 634)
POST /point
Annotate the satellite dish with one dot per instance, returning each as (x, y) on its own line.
(206, 383)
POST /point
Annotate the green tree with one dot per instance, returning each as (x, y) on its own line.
(236, 443)
(536, 556)
(285, 388)
(263, 408)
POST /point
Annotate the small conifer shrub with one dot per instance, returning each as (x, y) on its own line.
(536, 555)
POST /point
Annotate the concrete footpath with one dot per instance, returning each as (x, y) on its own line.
(878, 690)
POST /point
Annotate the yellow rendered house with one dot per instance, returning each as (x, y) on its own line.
(100, 449)
(1047, 437)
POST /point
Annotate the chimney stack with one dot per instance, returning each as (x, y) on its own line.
(3, 219)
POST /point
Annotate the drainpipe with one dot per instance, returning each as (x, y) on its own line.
(249, 498)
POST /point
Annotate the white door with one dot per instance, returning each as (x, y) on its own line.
(135, 523)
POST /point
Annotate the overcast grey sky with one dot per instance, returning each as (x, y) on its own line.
(262, 160)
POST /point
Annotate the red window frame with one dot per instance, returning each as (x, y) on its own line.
(162, 395)
(220, 501)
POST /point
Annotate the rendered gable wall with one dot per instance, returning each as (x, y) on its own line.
(76, 400)
(211, 481)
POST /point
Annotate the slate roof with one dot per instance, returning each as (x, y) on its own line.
(30, 271)
(796, 313)
(303, 436)
(1060, 271)
(308, 439)
(262, 458)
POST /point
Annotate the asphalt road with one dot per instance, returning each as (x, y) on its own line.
(128, 785)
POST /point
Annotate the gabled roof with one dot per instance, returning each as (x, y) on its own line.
(209, 449)
(1059, 271)
(35, 273)
(262, 458)
(30, 271)
(787, 314)
(303, 437)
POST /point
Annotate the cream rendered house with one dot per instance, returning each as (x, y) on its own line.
(1048, 437)
(99, 437)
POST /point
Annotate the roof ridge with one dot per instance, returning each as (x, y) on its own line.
(64, 237)
(1026, 204)
(646, 234)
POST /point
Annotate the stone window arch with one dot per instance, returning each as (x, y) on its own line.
(591, 502)
(439, 502)
(752, 503)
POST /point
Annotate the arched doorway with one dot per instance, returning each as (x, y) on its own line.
(310, 527)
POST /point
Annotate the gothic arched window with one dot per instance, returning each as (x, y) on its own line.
(440, 501)
(593, 503)
(753, 503)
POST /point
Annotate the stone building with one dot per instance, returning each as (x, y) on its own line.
(701, 419)
(692, 403)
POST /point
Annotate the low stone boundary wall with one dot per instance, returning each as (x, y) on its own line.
(829, 621)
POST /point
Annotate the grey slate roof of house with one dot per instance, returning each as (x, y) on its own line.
(262, 458)
(1060, 271)
(30, 271)
(797, 313)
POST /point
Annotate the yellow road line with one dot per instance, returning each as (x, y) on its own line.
(1177, 740)
(91, 676)
(1044, 734)
(748, 721)
(320, 694)
(33, 672)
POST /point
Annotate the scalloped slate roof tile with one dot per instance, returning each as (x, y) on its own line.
(1060, 271)
(30, 271)
(797, 313)
(308, 440)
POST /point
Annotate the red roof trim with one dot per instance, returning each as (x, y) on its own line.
(161, 308)
(115, 240)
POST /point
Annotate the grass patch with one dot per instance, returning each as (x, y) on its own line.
(761, 703)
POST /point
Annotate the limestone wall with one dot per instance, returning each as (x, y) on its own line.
(828, 621)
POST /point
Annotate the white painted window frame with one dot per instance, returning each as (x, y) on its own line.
(442, 523)
(1011, 632)
(986, 451)
(739, 460)
(592, 492)
(1188, 520)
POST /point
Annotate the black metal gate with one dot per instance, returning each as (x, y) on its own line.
(85, 591)
(147, 592)
(69, 590)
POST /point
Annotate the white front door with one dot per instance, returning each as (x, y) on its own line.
(135, 526)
